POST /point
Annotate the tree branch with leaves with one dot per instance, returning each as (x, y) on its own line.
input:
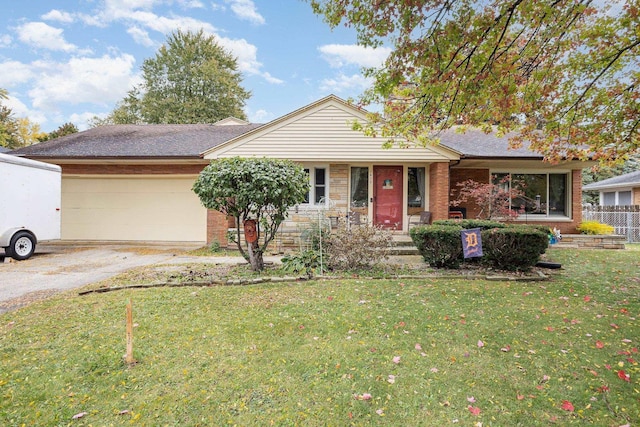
(560, 75)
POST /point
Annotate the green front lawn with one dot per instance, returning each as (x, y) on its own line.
(337, 352)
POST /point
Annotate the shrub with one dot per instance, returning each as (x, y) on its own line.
(303, 262)
(439, 244)
(357, 247)
(471, 223)
(595, 227)
(513, 248)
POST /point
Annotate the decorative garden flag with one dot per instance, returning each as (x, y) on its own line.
(471, 243)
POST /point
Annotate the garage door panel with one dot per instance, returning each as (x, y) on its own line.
(151, 209)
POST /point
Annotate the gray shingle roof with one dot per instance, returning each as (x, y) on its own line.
(474, 143)
(137, 141)
(631, 179)
(190, 140)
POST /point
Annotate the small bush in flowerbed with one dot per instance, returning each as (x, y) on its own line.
(595, 227)
(505, 247)
(439, 244)
(514, 247)
(303, 262)
(357, 247)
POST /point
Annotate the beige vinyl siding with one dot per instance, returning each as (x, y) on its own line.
(323, 134)
(132, 208)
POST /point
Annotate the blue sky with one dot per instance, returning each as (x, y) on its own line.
(67, 61)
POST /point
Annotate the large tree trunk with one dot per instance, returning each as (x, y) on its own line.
(255, 257)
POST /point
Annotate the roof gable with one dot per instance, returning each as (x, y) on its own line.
(322, 132)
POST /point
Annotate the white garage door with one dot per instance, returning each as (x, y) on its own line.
(149, 208)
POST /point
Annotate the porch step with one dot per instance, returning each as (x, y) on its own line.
(403, 245)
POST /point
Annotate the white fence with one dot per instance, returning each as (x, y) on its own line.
(625, 219)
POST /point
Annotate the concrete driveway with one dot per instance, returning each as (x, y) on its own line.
(62, 266)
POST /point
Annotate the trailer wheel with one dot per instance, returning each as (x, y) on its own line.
(23, 245)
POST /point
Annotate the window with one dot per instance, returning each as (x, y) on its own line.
(415, 187)
(318, 185)
(542, 193)
(616, 198)
(624, 198)
(359, 187)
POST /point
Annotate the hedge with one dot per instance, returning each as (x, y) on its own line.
(505, 247)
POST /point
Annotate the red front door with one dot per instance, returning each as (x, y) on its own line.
(387, 196)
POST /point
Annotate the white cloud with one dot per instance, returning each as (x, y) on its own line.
(270, 79)
(102, 81)
(14, 73)
(340, 55)
(247, 55)
(260, 116)
(82, 119)
(5, 40)
(344, 83)
(41, 35)
(191, 4)
(246, 10)
(58, 15)
(140, 36)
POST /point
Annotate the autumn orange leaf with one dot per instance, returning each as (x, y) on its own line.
(599, 344)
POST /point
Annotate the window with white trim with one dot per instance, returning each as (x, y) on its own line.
(616, 198)
(543, 194)
(318, 185)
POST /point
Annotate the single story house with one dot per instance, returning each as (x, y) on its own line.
(623, 190)
(133, 182)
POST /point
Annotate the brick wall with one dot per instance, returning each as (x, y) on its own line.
(461, 175)
(133, 169)
(439, 190)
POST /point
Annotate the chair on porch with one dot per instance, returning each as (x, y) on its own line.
(423, 219)
(354, 218)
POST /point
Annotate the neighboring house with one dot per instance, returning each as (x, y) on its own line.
(3, 150)
(133, 182)
(623, 190)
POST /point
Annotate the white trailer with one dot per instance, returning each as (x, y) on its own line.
(30, 195)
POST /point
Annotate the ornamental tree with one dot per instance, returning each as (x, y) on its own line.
(253, 189)
(493, 199)
(562, 74)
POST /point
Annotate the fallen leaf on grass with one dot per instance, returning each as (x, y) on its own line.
(567, 406)
(599, 344)
(480, 344)
(471, 399)
(474, 410)
(363, 396)
(624, 376)
(396, 360)
(80, 415)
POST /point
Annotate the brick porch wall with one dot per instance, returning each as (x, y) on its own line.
(217, 226)
(461, 175)
(439, 190)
